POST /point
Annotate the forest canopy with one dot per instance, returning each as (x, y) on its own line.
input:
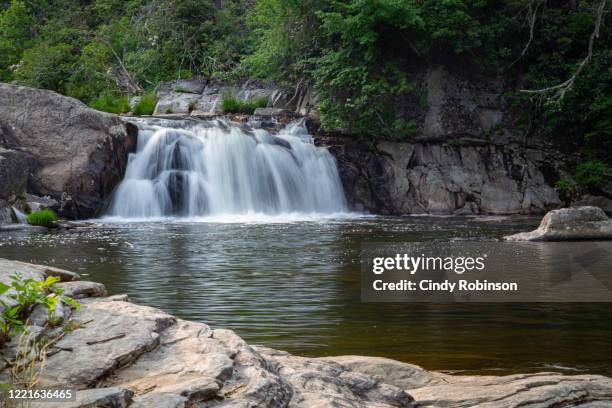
(360, 56)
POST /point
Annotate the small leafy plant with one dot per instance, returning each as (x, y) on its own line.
(146, 105)
(27, 294)
(44, 217)
(231, 104)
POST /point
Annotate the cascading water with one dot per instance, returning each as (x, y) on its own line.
(204, 168)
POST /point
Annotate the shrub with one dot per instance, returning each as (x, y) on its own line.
(44, 217)
(146, 105)
(564, 185)
(28, 293)
(231, 104)
(591, 174)
(111, 103)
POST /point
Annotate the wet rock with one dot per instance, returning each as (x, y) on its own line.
(81, 289)
(271, 112)
(565, 224)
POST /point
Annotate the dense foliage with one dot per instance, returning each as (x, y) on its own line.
(363, 57)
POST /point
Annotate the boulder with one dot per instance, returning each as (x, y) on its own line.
(14, 169)
(190, 85)
(77, 155)
(605, 203)
(566, 224)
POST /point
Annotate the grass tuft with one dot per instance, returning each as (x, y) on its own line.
(111, 103)
(231, 104)
(44, 217)
(146, 105)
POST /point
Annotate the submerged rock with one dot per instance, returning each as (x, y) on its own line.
(566, 224)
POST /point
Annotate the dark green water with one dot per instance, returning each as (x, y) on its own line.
(296, 286)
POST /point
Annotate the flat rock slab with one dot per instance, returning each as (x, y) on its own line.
(109, 335)
(566, 224)
(541, 390)
(94, 398)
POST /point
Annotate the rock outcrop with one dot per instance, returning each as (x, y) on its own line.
(465, 156)
(64, 149)
(202, 97)
(444, 178)
(567, 224)
(118, 354)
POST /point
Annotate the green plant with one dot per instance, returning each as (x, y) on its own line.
(111, 103)
(231, 104)
(591, 174)
(146, 105)
(27, 293)
(565, 185)
(44, 217)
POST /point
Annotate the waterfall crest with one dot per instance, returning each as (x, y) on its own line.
(202, 168)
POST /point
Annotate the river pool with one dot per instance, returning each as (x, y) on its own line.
(294, 284)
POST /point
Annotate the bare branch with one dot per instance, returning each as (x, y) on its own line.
(558, 91)
(532, 14)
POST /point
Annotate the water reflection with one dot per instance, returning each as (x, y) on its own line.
(296, 286)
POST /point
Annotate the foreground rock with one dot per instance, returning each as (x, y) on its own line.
(118, 354)
(72, 154)
(566, 224)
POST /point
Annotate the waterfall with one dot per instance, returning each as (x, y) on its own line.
(21, 217)
(204, 168)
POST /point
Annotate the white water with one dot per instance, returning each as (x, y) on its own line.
(216, 170)
(21, 217)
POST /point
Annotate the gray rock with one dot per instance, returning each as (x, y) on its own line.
(574, 223)
(77, 154)
(108, 336)
(543, 390)
(442, 178)
(116, 350)
(595, 201)
(271, 112)
(174, 102)
(23, 227)
(190, 85)
(81, 289)
(159, 400)
(14, 170)
(112, 397)
(403, 375)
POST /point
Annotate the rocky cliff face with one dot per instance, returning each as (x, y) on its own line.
(57, 146)
(466, 157)
(445, 178)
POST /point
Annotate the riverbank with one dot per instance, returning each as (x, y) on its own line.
(126, 355)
